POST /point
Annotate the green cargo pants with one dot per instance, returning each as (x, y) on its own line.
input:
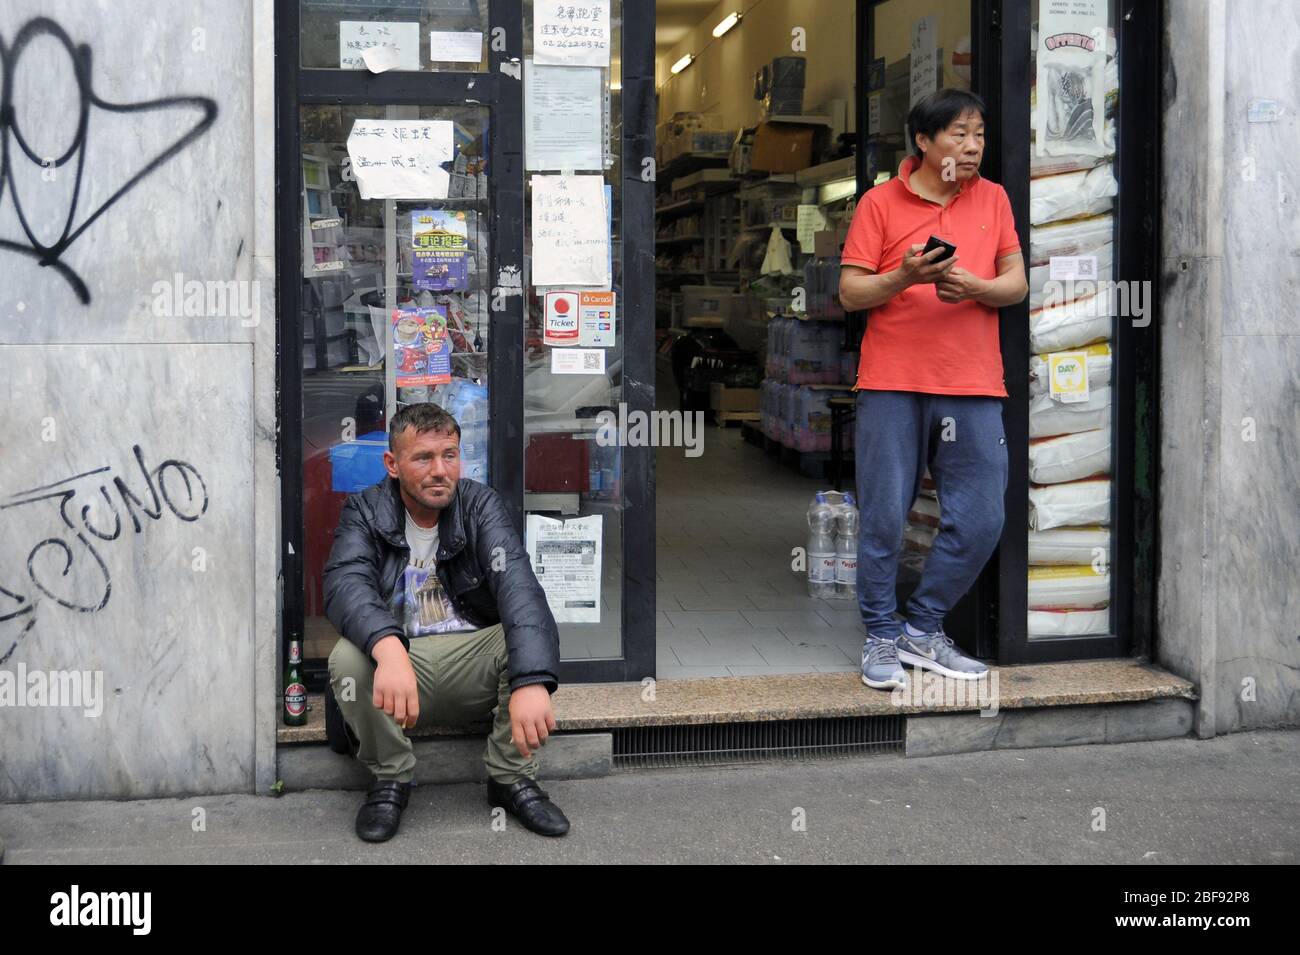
(461, 678)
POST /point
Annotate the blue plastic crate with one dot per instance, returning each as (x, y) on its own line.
(356, 465)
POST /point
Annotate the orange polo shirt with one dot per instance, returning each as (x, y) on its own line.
(914, 342)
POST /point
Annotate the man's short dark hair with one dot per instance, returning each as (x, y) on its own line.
(934, 113)
(422, 416)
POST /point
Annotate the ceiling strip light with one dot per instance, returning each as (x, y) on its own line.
(726, 23)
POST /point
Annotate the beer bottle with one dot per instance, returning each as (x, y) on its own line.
(295, 693)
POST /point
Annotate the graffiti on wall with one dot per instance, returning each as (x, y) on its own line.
(65, 567)
(15, 146)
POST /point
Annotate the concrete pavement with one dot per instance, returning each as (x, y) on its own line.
(1234, 799)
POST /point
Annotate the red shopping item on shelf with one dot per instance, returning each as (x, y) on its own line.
(556, 463)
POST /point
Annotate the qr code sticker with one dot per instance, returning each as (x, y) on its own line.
(591, 360)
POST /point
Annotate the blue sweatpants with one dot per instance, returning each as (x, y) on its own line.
(960, 437)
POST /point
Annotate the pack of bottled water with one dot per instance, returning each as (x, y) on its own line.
(832, 545)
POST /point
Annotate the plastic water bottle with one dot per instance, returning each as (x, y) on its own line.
(846, 549)
(474, 451)
(821, 547)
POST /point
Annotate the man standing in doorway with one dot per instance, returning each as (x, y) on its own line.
(930, 379)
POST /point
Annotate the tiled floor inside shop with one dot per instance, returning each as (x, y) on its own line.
(728, 603)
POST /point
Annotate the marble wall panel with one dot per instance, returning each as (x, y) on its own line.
(104, 233)
(129, 544)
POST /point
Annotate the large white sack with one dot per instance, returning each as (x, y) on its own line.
(1063, 588)
(1068, 545)
(1040, 275)
(1071, 237)
(1062, 505)
(1069, 457)
(1047, 416)
(1072, 325)
(1071, 195)
(1068, 623)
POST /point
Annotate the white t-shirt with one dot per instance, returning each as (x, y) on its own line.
(425, 607)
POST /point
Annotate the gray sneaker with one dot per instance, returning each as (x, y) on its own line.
(935, 651)
(880, 667)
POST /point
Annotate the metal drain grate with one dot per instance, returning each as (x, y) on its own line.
(718, 744)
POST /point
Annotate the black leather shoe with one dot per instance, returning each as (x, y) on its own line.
(380, 814)
(527, 803)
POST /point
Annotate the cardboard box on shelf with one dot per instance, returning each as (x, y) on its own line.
(722, 398)
(691, 133)
(782, 147)
(707, 302)
(827, 243)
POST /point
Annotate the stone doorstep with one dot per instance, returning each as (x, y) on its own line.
(1048, 704)
(945, 734)
(444, 759)
(606, 706)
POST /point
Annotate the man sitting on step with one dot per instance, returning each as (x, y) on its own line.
(444, 622)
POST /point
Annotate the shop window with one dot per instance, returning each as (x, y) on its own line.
(394, 306)
(573, 479)
(402, 35)
(1072, 197)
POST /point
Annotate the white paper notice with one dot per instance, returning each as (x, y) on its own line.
(1065, 268)
(566, 562)
(577, 361)
(563, 117)
(811, 219)
(401, 158)
(925, 60)
(569, 34)
(380, 59)
(449, 47)
(570, 231)
(357, 36)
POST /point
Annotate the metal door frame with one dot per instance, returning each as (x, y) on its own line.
(1135, 382)
(501, 92)
(636, 301)
(500, 89)
(1000, 34)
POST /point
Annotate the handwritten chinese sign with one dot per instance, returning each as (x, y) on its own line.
(570, 231)
(357, 36)
(571, 34)
(401, 158)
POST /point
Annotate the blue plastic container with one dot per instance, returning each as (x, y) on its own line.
(356, 465)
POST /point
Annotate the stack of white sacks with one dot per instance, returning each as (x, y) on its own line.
(1071, 219)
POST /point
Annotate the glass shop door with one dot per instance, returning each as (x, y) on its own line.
(400, 258)
(415, 137)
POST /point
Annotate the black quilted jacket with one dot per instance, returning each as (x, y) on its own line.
(370, 553)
